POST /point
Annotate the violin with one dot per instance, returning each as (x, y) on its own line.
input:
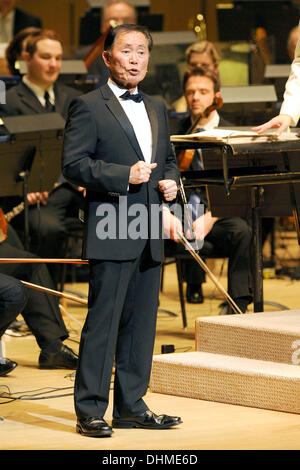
(3, 226)
(185, 157)
(5, 218)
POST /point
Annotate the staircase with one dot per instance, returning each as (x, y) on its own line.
(250, 360)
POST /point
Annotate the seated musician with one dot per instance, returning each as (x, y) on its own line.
(40, 92)
(119, 11)
(41, 311)
(13, 298)
(224, 237)
(200, 54)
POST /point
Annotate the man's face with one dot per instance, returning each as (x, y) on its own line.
(199, 94)
(45, 64)
(121, 13)
(128, 59)
(201, 59)
(6, 6)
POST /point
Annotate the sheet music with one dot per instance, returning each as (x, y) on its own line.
(228, 136)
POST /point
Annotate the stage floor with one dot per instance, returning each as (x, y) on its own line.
(38, 422)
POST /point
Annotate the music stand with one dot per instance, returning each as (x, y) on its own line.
(240, 180)
(243, 105)
(30, 157)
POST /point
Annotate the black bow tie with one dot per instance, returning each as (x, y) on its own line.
(137, 97)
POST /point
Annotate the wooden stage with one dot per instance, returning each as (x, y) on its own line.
(44, 419)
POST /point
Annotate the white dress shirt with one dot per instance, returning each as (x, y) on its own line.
(291, 99)
(213, 122)
(40, 92)
(137, 115)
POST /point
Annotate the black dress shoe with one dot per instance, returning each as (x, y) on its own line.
(194, 294)
(93, 427)
(65, 358)
(147, 420)
(6, 366)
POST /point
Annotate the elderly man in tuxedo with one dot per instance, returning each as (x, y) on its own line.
(290, 108)
(117, 146)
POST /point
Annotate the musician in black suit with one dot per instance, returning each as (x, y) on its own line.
(120, 151)
(40, 92)
(228, 237)
(14, 20)
(13, 298)
(41, 311)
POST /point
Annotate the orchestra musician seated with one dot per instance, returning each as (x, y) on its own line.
(199, 54)
(41, 310)
(227, 237)
(13, 298)
(40, 92)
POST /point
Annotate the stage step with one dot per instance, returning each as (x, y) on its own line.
(266, 336)
(228, 379)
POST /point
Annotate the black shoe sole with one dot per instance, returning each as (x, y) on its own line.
(103, 433)
(3, 374)
(134, 424)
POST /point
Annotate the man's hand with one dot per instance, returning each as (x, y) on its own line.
(34, 198)
(172, 225)
(168, 188)
(82, 190)
(280, 122)
(203, 225)
(140, 172)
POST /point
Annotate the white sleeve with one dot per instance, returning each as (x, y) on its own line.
(291, 98)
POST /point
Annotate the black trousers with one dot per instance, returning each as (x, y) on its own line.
(13, 298)
(120, 325)
(41, 313)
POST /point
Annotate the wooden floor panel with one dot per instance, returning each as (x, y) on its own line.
(49, 423)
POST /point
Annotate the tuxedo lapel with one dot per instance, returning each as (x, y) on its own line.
(28, 99)
(116, 109)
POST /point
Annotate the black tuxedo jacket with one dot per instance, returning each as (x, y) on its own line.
(100, 147)
(25, 20)
(20, 101)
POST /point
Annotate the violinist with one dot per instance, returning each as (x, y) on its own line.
(227, 237)
(201, 54)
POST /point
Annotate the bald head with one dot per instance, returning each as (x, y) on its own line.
(118, 11)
